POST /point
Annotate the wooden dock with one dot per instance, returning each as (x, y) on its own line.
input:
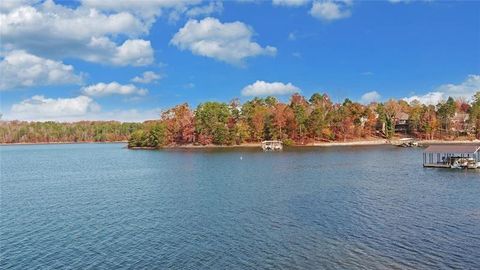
(436, 165)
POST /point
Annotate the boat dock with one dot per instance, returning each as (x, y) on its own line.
(404, 142)
(452, 156)
(272, 145)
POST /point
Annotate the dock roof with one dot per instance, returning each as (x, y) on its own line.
(453, 148)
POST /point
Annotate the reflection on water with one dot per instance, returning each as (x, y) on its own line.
(103, 206)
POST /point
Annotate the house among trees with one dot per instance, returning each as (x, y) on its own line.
(402, 123)
(460, 123)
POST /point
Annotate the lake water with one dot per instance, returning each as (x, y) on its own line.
(102, 206)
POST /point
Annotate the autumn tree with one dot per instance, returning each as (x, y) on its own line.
(137, 139)
(211, 119)
(180, 124)
(342, 122)
(474, 115)
(388, 114)
(446, 111)
(370, 122)
(279, 121)
(318, 121)
(429, 122)
(154, 135)
(256, 113)
(415, 116)
(299, 106)
(237, 126)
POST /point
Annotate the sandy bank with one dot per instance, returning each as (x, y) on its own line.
(351, 143)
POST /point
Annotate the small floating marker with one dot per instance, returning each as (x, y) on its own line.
(241, 158)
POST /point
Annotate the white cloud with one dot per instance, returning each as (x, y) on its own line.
(58, 23)
(431, 98)
(228, 42)
(290, 3)
(148, 10)
(212, 7)
(132, 52)
(7, 5)
(40, 107)
(129, 115)
(330, 10)
(55, 31)
(465, 89)
(147, 77)
(20, 69)
(136, 52)
(262, 88)
(113, 88)
(370, 97)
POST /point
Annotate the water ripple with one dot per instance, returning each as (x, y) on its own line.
(102, 206)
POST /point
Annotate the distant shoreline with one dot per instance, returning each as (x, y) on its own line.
(48, 143)
(374, 142)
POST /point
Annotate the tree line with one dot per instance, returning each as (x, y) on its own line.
(302, 121)
(53, 132)
(299, 121)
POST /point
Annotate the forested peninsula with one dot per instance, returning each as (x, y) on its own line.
(300, 121)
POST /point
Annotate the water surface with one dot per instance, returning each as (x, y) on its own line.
(102, 206)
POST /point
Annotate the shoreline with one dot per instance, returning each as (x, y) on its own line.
(48, 143)
(374, 142)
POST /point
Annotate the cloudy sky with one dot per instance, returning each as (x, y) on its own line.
(127, 60)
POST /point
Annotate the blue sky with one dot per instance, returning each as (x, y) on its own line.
(69, 60)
